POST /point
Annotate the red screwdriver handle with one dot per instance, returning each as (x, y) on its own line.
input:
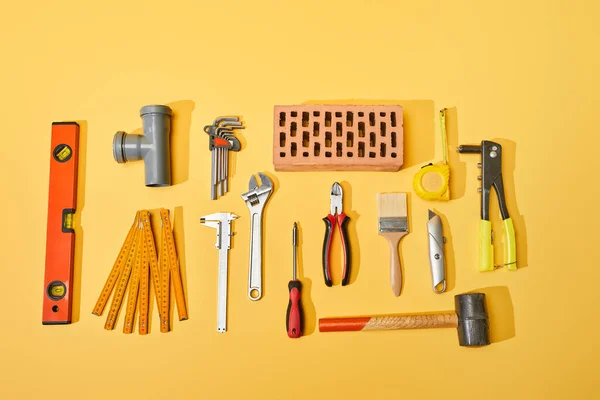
(293, 322)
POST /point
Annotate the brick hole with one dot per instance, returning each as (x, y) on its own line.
(394, 155)
(294, 114)
(282, 154)
(393, 118)
(372, 154)
(315, 129)
(393, 139)
(382, 114)
(382, 128)
(282, 119)
(349, 118)
(293, 129)
(361, 149)
(382, 150)
(338, 149)
(281, 139)
(317, 149)
(338, 129)
(338, 114)
(327, 139)
(372, 139)
(328, 154)
(305, 154)
(372, 119)
(294, 150)
(349, 154)
(305, 138)
(350, 139)
(305, 116)
(327, 118)
(361, 129)
(316, 113)
(361, 114)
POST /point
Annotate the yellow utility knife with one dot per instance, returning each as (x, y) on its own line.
(431, 182)
(491, 165)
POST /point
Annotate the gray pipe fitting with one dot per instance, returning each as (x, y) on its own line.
(153, 146)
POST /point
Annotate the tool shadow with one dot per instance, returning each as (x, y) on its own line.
(265, 228)
(308, 307)
(180, 140)
(239, 134)
(354, 245)
(509, 155)
(458, 169)
(78, 258)
(418, 123)
(509, 151)
(179, 237)
(501, 312)
(448, 253)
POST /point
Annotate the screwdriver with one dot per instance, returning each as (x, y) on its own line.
(293, 322)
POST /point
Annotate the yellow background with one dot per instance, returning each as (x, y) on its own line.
(525, 73)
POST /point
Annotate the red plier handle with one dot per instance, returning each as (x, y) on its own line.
(342, 222)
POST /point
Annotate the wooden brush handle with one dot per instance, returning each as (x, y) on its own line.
(386, 322)
(395, 269)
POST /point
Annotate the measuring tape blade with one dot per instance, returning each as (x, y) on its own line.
(115, 306)
(134, 285)
(115, 272)
(174, 266)
(143, 302)
(60, 234)
(152, 258)
(165, 288)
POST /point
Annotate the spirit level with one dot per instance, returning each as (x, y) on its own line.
(60, 236)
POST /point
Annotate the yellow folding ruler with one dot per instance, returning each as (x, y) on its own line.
(136, 261)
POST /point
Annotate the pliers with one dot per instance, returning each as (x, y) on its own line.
(336, 216)
(491, 165)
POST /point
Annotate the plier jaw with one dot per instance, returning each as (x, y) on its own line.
(491, 176)
(336, 217)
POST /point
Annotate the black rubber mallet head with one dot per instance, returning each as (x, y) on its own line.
(473, 323)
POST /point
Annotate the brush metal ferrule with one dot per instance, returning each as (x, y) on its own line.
(393, 224)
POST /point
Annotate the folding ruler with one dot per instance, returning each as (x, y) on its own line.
(60, 237)
(136, 261)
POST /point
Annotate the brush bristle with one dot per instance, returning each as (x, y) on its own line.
(392, 213)
(392, 205)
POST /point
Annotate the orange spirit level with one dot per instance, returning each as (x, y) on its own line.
(60, 237)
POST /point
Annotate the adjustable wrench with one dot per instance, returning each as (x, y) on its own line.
(256, 199)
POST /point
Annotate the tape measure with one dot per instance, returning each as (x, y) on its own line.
(136, 265)
(432, 182)
(60, 236)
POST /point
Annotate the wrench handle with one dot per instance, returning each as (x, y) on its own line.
(255, 275)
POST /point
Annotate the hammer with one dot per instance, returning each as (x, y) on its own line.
(470, 319)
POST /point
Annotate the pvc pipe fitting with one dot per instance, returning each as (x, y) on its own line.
(153, 146)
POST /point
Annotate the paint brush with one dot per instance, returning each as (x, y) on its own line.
(393, 225)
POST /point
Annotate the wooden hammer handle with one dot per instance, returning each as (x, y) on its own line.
(384, 322)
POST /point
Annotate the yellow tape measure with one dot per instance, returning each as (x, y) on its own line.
(432, 182)
(136, 261)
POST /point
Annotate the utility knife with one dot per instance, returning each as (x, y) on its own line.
(437, 260)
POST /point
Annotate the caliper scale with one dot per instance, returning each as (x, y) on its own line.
(222, 223)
